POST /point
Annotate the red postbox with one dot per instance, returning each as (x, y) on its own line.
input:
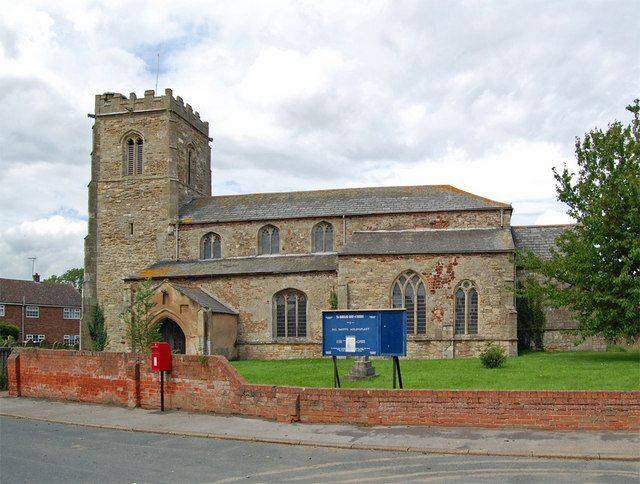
(160, 356)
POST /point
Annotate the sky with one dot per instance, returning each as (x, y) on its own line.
(487, 96)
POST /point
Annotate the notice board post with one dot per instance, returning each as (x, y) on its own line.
(365, 333)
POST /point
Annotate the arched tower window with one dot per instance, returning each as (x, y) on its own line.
(210, 246)
(133, 157)
(290, 314)
(323, 237)
(466, 310)
(190, 166)
(269, 238)
(410, 293)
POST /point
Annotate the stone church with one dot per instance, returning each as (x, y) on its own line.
(248, 276)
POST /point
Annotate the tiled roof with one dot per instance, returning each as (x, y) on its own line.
(445, 241)
(39, 293)
(204, 299)
(325, 203)
(269, 264)
(537, 238)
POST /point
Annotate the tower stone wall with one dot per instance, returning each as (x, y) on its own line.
(132, 218)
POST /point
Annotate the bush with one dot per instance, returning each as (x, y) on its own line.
(9, 330)
(492, 356)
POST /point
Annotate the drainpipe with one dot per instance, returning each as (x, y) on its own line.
(344, 230)
(23, 309)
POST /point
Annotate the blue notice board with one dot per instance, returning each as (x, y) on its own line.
(364, 333)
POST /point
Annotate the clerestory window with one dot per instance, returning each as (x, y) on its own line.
(409, 292)
(269, 239)
(210, 247)
(323, 237)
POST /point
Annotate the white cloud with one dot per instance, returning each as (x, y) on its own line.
(486, 96)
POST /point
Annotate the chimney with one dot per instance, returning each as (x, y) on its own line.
(36, 277)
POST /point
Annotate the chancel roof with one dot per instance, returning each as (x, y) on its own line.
(326, 203)
(538, 238)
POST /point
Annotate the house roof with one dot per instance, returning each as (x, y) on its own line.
(537, 238)
(444, 241)
(265, 264)
(203, 299)
(326, 203)
(12, 291)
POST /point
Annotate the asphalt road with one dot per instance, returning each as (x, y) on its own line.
(35, 451)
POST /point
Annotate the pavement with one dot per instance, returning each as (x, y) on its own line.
(604, 445)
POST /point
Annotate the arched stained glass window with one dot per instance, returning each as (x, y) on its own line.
(466, 308)
(290, 314)
(409, 292)
(323, 237)
(210, 246)
(269, 238)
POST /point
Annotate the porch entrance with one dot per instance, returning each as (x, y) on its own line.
(173, 334)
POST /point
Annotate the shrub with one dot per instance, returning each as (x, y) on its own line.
(9, 330)
(492, 355)
(97, 330)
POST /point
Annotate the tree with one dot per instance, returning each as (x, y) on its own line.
(74, 276)
(141, 331)
(595, 270)
(97, 329)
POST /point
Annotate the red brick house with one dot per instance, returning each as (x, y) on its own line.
(42, 311)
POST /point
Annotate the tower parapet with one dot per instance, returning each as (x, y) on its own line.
(114, 103)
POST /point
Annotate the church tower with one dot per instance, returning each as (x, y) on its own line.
(150, 156)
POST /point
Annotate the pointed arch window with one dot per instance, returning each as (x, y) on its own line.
(290, 314)
(134, 162)
(466, 308)
(210, 246)
(190, 166)
(269, 238)
(323, 237)
(409, 292)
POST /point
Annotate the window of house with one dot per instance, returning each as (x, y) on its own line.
(290, 314)
(269, 240)
(409, 292)
(323, 237)
(466, 308)
(133, 157)
(32, 312)
(71, 339)
(1, 309)
(34, 338)
(71, 313)
(210, 246)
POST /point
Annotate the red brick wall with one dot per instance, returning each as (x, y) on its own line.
(126, 379)
(51, 322)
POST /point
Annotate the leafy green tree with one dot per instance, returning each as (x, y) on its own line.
(74, 276)
(97, 329)
(141, 331)
(595, 270)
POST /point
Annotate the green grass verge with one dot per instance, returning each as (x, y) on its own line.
(531, 371)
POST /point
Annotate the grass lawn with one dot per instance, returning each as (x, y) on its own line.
(531, 371)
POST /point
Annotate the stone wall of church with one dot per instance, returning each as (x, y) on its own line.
(370, 279)
(241, 238)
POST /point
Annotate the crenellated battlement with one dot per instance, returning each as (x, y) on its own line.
(111, 103)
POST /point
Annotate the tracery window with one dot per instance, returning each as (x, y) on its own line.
(133, 157)
(323, 237)
(290, 314)
(466, 308)
(410, 293)
(269, 237)
(210, 246)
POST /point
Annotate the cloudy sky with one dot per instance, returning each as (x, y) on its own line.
(486, 96)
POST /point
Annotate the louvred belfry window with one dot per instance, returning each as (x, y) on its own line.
(410, 293)
(134, 156)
